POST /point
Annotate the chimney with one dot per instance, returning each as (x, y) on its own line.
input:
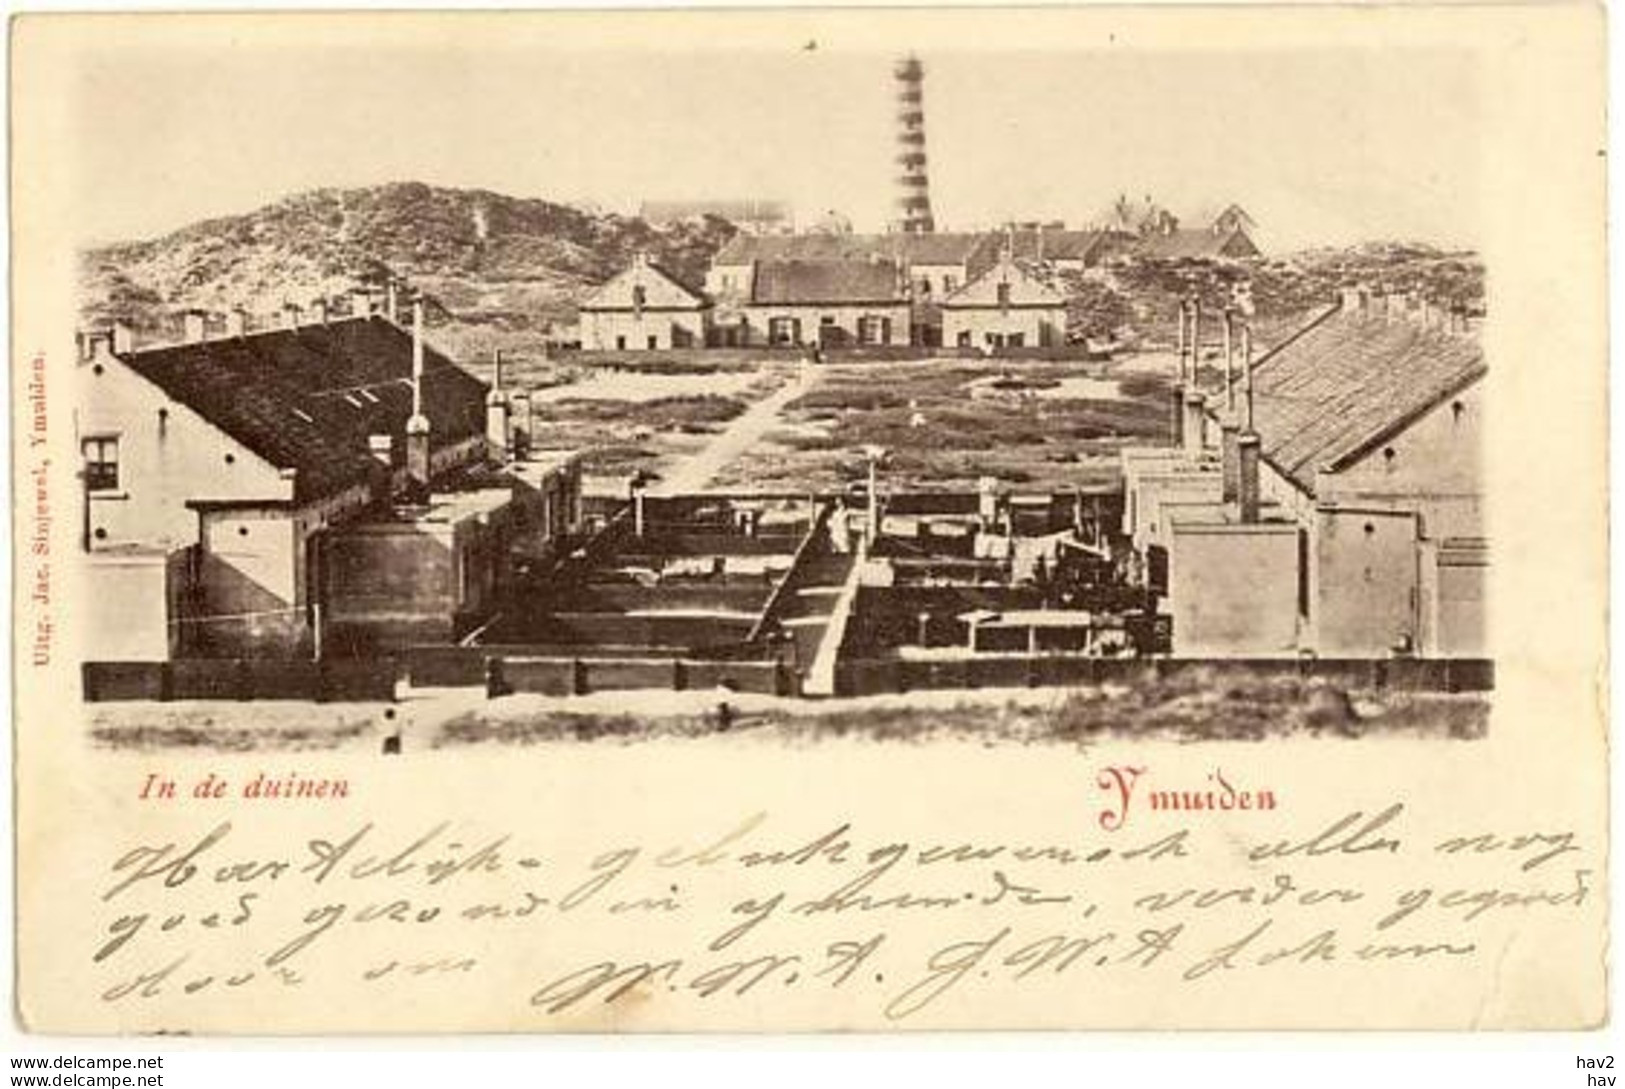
(1196, 337)
(392, 302)
(519, 423)
(94, 343)
(1247, 455)
(417, 428)
(361, 302)
(318, 311)
(1229, 328)
(1195, 422)
(637, 485)
(1349, 299)
(1179, 386)
(1247, 442)
(236, 322)
(291, 315)
(498, 435)
(123, 338)
(194, 326)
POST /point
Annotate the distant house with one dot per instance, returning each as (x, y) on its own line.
(222, 477)
(826, 303)
(643, 307)
(1349, 522)
(1004, 307)
(750, 216)
(1231, 219)
(1195, 244)
(1063, 250)
(930, 268)
(935, 264)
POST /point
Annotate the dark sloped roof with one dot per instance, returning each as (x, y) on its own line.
(1193, 243)
(812, 282)
(308, 398)
(1349, 382)
(1059, 245)
(946, 248)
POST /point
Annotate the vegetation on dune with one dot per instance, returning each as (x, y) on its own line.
(495, 262)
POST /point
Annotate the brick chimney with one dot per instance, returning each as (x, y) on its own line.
(318, 311)
(236, 322)
(417, 428)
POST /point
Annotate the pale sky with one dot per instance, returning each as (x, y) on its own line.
(1332, 146)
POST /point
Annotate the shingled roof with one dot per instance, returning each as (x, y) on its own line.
(826, 283)
(308, 399)
(1349, 382)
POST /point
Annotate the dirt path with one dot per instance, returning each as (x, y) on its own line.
(694, 472)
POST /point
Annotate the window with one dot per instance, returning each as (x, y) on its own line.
(783, 330)
(640, 298)
(654, 342)
(874, 329)
(620, 343)
(1004, 295)
(101, 464)
(1016, 340)
(964, 338)
(948, 285)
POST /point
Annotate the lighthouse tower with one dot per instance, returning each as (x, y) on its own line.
(913, 188)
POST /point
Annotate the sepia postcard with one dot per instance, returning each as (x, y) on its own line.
(810, 520)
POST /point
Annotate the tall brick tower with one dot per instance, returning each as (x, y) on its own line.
(913, 188)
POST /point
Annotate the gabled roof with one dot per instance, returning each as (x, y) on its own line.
(1026, 291)
(814, 282)
(308, 399)
(1085, 246)
(661, 291)
(1348, 383)
(906, 249)
(1195, 243)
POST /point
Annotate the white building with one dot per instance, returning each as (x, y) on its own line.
(643, 308)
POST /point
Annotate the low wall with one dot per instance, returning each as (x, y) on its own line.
(241, 679)
(580, 676)
(880, 676)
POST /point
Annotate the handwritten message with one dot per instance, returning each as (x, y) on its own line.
(558, 932)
